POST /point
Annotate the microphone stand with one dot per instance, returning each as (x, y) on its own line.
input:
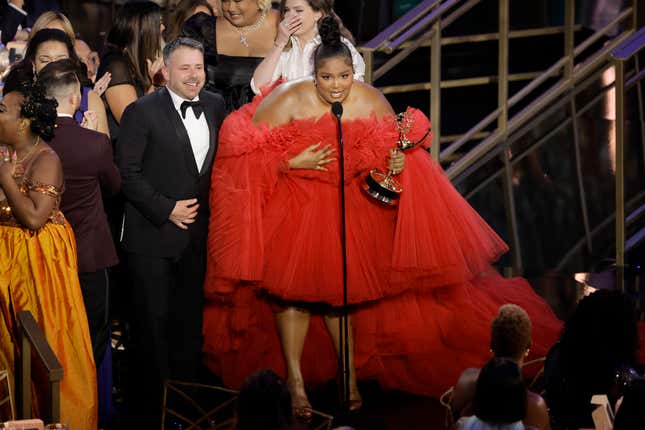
(337, 110)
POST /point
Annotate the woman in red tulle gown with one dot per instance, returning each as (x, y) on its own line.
(419, 278)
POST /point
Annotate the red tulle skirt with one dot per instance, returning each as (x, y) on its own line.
(422, 291)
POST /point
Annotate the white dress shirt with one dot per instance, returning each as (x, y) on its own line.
(197, 129)
(298, 62)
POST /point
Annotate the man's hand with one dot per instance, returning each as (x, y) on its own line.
(184, 213)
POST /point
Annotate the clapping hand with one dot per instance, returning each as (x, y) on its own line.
(396, 161)
(154, 67)
(90, 120)
(312, 159)
(101, 85)
(184, 213)
(6, 166)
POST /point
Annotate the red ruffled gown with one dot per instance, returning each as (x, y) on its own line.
(419, 275)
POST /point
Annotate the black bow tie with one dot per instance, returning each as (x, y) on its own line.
(196, 105)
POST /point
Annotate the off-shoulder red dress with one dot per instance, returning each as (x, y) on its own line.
(419, 276)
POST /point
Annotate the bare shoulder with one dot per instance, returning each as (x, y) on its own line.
(535, 400)
(372, 100)
(46, 166)
(281, 105)
(46, 156)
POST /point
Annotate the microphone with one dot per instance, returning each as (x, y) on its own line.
(337, 109)
(343, 322)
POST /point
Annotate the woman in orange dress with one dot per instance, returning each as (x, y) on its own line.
(37, 250)
(420, 285)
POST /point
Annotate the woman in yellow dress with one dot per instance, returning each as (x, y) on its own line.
(37, 249)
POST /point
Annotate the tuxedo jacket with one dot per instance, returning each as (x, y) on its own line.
(10, 18)
(90, 173)
(158, 168)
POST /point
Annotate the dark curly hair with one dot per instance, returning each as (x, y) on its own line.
(510, 332)
(331, 44)
(36, 107)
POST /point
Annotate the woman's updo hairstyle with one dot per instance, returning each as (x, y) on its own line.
(331, 44)
(36, 107)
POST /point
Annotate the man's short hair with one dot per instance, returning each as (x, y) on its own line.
(185, 42)
(59, 79)
(510, 332)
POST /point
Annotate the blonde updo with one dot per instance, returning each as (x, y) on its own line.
(264, 5)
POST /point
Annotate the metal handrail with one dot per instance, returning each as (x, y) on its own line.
(550, 95)
(32, 337)
(581, 72)
(400, 25)
(630, 47)
(619, 56)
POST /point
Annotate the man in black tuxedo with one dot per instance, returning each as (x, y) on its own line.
(22, 13)
(165, 153)
(12, 17)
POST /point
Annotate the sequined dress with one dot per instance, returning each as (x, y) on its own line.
(38, 273)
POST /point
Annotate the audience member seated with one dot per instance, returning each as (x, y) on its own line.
(510, 338)
(264, 403)
(598, 344)
(630, 414)
(500, 398)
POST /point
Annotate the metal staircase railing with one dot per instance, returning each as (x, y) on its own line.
(423, 27)
(619, 56)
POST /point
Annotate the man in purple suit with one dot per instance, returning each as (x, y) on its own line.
(89, 171)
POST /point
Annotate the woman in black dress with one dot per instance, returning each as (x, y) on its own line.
(235, 43)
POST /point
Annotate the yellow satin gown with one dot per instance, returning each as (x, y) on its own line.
(38, 273)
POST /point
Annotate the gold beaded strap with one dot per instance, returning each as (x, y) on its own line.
(46, 189)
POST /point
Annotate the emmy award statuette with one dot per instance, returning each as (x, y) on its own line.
(382, 186)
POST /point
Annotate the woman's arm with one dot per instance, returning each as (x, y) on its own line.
(264, 73)
(268, 70)
(95, 104)
(33, 210)
(120, 97)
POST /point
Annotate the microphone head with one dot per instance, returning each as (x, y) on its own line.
(337, 109)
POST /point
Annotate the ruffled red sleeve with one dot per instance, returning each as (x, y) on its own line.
(438, 234)
(243, 174)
